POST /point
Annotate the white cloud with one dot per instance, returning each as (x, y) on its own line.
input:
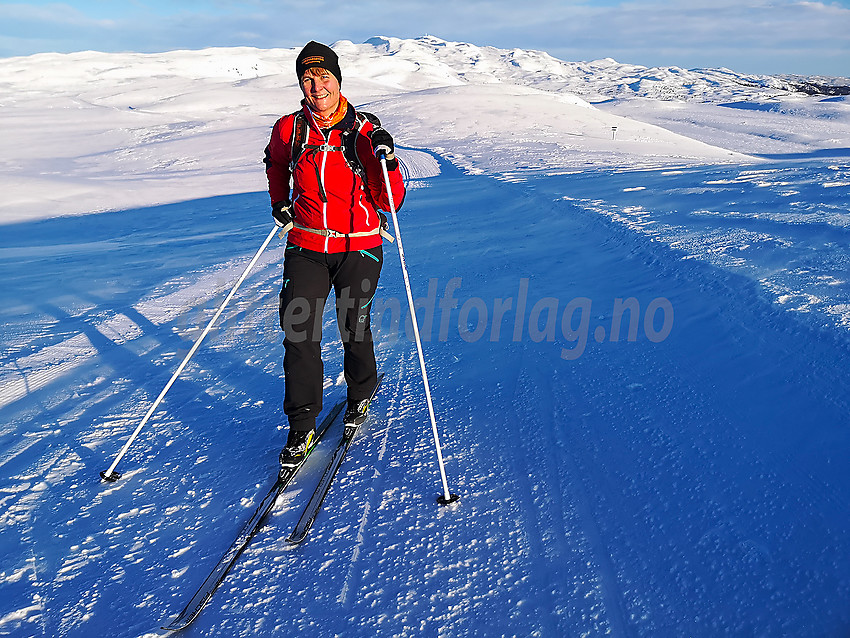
(17, 15)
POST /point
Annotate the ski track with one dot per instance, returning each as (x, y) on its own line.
(704, 403)
(541, 495)
(604, 617)
(636, 491)
(352, 581)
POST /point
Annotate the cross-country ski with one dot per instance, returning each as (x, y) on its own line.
(311, 511)
(248, 531)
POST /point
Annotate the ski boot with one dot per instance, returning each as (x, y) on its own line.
(355, 415)
(298, 445)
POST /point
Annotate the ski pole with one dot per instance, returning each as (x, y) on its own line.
(446, 497)
(111, 475)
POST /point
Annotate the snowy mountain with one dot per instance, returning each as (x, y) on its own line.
(636, 337)
(188, 123)
(469, 64)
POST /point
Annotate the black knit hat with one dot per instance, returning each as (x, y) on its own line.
(315, 54)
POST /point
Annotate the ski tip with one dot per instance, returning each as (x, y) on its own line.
(175, 624)
(166, 630)
(296, 540)
(442, 500)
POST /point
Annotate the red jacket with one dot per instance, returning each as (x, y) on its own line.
(326, 192)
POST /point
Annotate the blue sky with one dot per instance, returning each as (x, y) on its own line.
(756, 36)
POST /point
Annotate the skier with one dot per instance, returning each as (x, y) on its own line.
(328, 150)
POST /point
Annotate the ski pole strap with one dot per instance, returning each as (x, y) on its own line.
(285, 230)
(327, 232)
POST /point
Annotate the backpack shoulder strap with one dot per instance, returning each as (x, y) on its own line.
(300, 136)
(352, 157)
(373, 119)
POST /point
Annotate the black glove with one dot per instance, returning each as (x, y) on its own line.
(382, 141)
(384, 223)
(282, 213)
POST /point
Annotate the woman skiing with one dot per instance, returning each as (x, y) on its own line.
(328, 150)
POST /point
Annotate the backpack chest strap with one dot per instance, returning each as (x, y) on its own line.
(323, 148)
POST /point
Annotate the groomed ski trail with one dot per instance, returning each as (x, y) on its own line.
(690, 484)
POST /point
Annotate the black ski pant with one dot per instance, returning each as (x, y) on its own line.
(308, 277)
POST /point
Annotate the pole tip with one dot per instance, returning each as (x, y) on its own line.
(111, 478)
(442, 500)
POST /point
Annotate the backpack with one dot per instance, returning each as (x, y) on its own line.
(299, 144)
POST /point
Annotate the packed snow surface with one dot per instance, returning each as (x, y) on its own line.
(633, 289)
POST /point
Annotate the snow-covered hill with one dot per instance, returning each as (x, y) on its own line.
(91, 131)
(465, 63)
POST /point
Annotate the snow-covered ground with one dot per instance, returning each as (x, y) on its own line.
(641, 383)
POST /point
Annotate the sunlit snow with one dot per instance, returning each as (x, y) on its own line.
(634, 290)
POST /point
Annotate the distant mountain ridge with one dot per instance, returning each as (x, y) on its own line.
(598, 79)
(423, 63)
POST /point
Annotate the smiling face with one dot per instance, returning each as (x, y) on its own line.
(321, 90)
